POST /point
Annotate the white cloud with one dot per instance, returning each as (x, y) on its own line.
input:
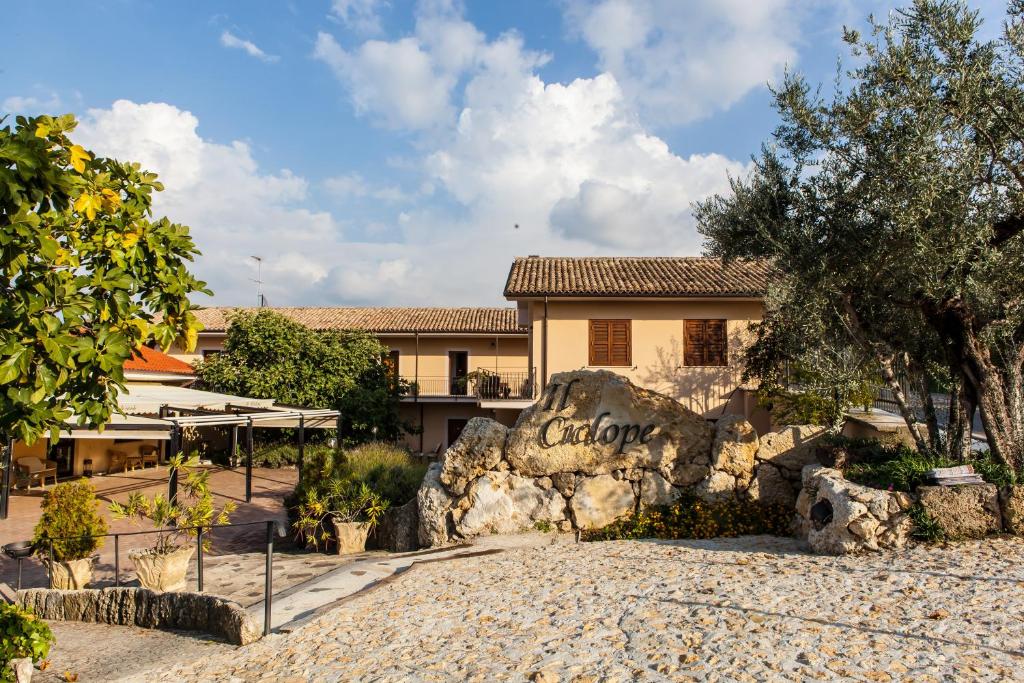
(354, 185)
(234, 208)
(43, 103)
(230, 40)
(680, 62)
(362, 16)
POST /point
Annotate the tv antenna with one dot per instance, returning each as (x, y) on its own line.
(260, 299)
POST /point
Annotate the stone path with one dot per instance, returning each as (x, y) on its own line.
(744, 609)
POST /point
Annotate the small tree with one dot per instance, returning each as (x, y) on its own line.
(267, 355)
(70, 513)
(86, 276)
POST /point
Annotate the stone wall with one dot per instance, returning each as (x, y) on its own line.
(595, 448)
(147, 609)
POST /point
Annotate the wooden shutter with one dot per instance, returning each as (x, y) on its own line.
(705, 343)
(610, 343)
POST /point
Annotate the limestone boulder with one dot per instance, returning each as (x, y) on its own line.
(596, 422)
(967, 511)
(477, 450)
(734, 448)
(656, 490)
(1011, 502)
(791, 448)
(398, 528)
(434, 508)
(718, 486)
(840, 517)
(769, 486)
(501, 503)
(600, 500)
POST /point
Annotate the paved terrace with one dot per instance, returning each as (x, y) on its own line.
(234, 566)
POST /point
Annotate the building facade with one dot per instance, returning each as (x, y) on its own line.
(459, 363)
(674, 325)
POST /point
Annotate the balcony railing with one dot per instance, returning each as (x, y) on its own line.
(487, 385)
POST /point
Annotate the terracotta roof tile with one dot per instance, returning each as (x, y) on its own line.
(654, 276)
(383, 320)
(146, 359)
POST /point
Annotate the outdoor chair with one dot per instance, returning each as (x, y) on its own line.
(149, 455)
(118, 461)
(33, 469)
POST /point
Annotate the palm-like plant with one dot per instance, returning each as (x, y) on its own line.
(192, 509)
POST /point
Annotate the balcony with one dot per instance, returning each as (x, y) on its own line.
(478, 386)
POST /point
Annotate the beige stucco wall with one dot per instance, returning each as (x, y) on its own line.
(491, 353)
(435, 421)
(657, 345)
(206, 342)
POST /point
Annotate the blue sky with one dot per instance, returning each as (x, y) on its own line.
(383, 152)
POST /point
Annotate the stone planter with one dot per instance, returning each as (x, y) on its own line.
(351, 536)
(164, 572)
(71, 575)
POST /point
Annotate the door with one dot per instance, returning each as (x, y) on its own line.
(458, 368)
(455, 427)
(63, 452)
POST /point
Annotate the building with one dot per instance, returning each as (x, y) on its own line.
(676, 325)
(460, 362)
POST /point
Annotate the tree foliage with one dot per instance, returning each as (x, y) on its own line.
(86, 273)
(267, 355)
(894, 208)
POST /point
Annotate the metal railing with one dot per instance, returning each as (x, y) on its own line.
(201, 531)
(491, 385)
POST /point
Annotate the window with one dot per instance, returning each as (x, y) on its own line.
(705, 343)
(209, 353)
(390, 361)
(611, 342)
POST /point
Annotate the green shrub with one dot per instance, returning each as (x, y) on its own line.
(691, 517)
(22, 634)
(926, 529)
(388, 470)
(277, 455)
(70, 512)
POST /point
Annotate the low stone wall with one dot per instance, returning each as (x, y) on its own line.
(595, 448)
(147, 609)
(965, 511)
(1011, 504)
(839, 517)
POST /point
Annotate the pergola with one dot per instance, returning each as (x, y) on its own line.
(177, 408)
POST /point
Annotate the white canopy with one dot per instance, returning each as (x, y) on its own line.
(148, 399)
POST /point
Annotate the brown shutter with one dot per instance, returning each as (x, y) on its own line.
(717, 352)
(705, 343)
(610, 343)
(693, 352)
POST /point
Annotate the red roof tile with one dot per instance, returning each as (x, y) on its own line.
(146, 359)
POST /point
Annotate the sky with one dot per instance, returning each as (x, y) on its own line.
(394, 152)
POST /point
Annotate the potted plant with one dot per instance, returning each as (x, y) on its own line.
(350, 507)
(163, 566)
(72, 526)
(26, 641)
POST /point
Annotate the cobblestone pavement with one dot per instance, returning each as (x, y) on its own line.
(729, 609)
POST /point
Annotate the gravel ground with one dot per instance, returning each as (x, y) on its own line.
(746, 609)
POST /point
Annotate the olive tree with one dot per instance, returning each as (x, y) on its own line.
(87, 275)
(897, 202)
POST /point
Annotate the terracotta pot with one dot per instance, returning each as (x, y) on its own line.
(162, 572)
(351, 536)
(71, 575)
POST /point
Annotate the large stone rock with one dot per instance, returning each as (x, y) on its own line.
(600, 500)
(656, 490)
(840, 517)
(790, 449)
(967, 511)
(1011, 503)
(434, 505)
(398, 528)
(717, 487)
(769, 486)
(735, 446)
(605, 423)
(502, 503)
(477, 450)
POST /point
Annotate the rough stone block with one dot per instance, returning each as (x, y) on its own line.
(967, 511)
(1011, 503)
(601, 500)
